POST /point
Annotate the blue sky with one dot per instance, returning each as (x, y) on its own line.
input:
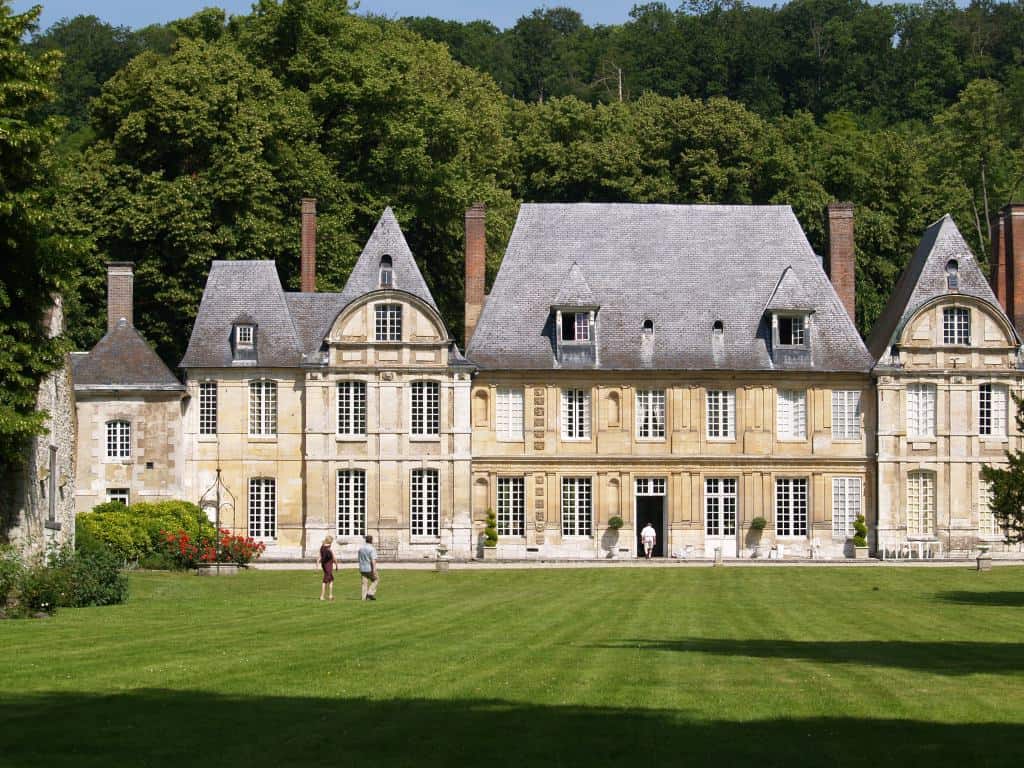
(139, 13)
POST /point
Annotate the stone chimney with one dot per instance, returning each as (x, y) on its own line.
(841, 265)
(476, 266)
(1012, 245)
(120, 282)
(997, 272)
(308, 259)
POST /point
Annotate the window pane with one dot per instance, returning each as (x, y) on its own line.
(576, 509)
(119, 439)
(510, 413)
(721, 413)
(791, 414)
(920, 504)
(846, 414)
(262, 407)
(650, 413)
(511, 506)
(426, 408)
(208, 408)
(262, 508)
(424, 498)
(921, 410)
(351, 408)
(720, 506)
(388, 322)
(956, 326)
(846, 504)
(992, 407)
(791, 507)
(351, 502)
(575, 414)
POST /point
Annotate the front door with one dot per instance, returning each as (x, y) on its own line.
(720, 516)
(650, 508)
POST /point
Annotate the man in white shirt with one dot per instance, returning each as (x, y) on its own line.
(368, 569)
(648, 536)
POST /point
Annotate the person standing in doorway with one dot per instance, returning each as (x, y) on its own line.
(648, 536)
(327, 563)
(368, 574)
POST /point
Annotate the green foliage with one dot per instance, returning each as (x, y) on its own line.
(88, 578)
(491, 529)
(860, 528)
(615, 522)
(758, 524)
(10, 572)
(136, 532)
(1006, 487)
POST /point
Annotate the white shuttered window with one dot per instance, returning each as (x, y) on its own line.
(510, 413)
(575, 414)
(845, 414)
(791, 414)
(921, 504)
(721, 413)
(992, 405)
(921, 410)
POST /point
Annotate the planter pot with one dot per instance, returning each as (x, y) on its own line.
(984, 561)
(214, 569)
(860, 553)
(490, 553)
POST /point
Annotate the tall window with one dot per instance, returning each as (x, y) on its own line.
(575, 326)
(921, 504)
(987, 525)
(846, 504)
(510, 413)
(992, 401)
(386, 273)
(956, 326)
(426, 408)
(720, 506)
(262, 407)
(791, 414)
(119, 495)
(351, 408)
(351, 502)
(650, 413)
(721, 413)
(511, 506)
(575, 414)
(262, 507)
(424, 498)
(119, 439)
(208, 408)
(792, 331)
(791, 506)
(845, 414)
(576, 509)
(388, 322)
(921, 410)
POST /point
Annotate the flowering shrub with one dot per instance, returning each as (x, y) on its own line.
(188, 551)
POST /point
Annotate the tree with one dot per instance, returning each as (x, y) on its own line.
(34, 262)
(1006, 488)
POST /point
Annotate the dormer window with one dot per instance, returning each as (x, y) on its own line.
(245, 336)
(388, 322)
(956, 326)
(792, 331)
(387, 275)
(648, 328)
(952, 275)
(718, 328)
(576, 326)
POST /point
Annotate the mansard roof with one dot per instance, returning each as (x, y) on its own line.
(925, 279)
(292, 326)
(122, 360)
(682, 267)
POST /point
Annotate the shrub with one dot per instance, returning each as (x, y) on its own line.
(137, 531)
(491, 530)
(92, 577)
(758, 524)
(10, 572)
(615, 522)
(40, 588)
(240, 550)
(860, 538)
(186, 551)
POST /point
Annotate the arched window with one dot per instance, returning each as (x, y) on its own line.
(648, 327)
(387, 276)
(119, 439)
(718, 327)
(952, 274)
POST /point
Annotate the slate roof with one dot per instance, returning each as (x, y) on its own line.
(575, 291)
(681, 266)
(122, 360)
(291, 326)
(789, 295)
(925, 278)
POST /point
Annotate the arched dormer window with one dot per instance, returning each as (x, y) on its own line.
(648, 327)
(387, 275)
(718, 328)
(952, 275)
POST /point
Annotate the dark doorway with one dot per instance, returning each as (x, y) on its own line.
(651, 509)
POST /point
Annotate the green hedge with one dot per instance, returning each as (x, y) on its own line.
(65, 578)
(133, 533)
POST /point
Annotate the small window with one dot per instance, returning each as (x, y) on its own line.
(792, 331)
(119, 439)
(956, 326)
(952, 274)
(118, 495)
(388, 322)
(245, 336)
(648, 327)
(718, 327)
(575, 326)
(387, 276)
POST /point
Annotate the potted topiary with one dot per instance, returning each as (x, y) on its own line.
(860, 538)
(610, 540)
(491, 536)
(757, 526)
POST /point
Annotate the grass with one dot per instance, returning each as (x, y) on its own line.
(766, 666)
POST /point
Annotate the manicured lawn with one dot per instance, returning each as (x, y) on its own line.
(682, 667)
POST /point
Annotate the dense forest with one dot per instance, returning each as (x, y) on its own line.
(176, 144)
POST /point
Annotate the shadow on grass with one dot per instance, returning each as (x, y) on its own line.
(1001, 599)
(170, 728)
(952, 658)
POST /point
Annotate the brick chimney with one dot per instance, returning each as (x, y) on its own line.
(308, 258)
(841, 264)
(997, 272)
(476, 265)
(120, 282)
(1012, 245)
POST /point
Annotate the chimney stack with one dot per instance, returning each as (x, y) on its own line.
(997, 271)
(476, 266)
(120, 282)
(841, 255)
(1011, 243)
(308, 258)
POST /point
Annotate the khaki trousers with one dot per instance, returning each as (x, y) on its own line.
(370, 582)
